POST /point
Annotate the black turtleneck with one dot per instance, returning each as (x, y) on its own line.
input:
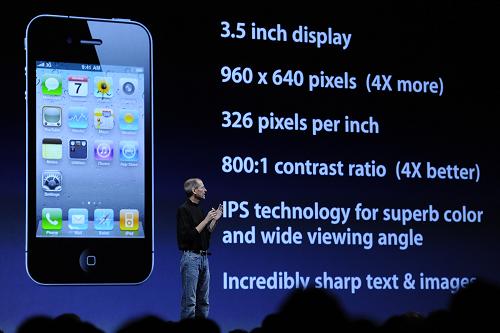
(189, 215)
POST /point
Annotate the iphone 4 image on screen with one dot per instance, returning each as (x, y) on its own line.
(89, 151)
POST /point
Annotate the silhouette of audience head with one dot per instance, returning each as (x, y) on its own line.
(474, 306)
(67, 322)
(305, 310)
(438, 321)
(204, 325)
(150, 324)
(36, 324)
(408, 323)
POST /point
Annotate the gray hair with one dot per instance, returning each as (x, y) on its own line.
(190, 185)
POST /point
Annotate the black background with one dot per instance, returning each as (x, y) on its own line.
(455, 42)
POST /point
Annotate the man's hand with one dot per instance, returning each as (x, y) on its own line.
(218, 212)
(211, 215)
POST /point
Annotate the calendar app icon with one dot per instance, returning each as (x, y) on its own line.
(78, 86)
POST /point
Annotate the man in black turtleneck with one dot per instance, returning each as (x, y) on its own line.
(193, 237)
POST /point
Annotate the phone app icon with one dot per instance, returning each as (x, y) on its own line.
(128, 86)
(52, 181)
(52, 149)
(103, 119)
(103, 219)
(51, 85)
(103, 86)
(78, 218)
(129, 219)
(78, 86)
(78, 149)
(128, 120)
(103, 150)
(129, 151)
(78, 117)
(51, 116)
(52, 218)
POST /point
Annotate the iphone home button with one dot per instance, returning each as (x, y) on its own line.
(88, 260)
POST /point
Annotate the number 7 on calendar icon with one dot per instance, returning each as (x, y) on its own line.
(78, 86)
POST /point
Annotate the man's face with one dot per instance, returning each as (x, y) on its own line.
(200, 191)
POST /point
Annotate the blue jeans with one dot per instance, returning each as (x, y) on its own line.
(195, 275)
